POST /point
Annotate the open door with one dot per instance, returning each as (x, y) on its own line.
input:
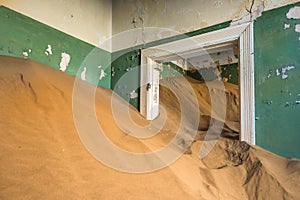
(150, 89)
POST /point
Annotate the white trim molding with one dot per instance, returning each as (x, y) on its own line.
(184, 48)
(247, 106)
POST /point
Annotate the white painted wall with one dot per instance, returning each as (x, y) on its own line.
(88, 20)
(176, 16)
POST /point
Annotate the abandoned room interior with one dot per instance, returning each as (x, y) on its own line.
(150, 99)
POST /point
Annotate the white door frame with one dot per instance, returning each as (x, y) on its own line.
(177, 49)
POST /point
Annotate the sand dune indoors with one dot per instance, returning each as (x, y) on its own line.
(42, 157)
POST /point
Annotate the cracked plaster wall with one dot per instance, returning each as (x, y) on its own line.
(172, 17)
(94, 21)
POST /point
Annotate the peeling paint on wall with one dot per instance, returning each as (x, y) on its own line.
(65, 59)
(287, 26)
(48, 50)
(284, 70)
(294, 13)
(25, 37)
(297, 28)
(133, 95)
(102, 73)
(281, 71)
(277, 72)
(276, 99)
(81, 19)
(25, 54)
(83, 74)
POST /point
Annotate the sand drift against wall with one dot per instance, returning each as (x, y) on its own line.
(42, 157)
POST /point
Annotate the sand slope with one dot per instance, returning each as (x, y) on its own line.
(42, 157)
(224, 101)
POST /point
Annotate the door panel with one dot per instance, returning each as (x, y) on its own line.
(150, 89)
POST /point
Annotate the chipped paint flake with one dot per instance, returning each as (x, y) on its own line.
(294, 13)
(277, 72)
(287, 26)
(25, 54)
(102, 73)
(284, 70)
(288, 68)
(133, 94)
(269, 74)
(297, 28)
(83, 74)
(284, 76)
(48, 50)
(65, 59)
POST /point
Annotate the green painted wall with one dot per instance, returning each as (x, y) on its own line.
(125, 74)
(229, 72)
(19, 33)
(277, 96)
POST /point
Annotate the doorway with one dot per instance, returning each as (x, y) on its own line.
(190, 52)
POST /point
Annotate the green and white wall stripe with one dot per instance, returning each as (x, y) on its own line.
(22, 36)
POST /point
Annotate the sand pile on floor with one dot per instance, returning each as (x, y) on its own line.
(236, 170)
(225, 109)
(42, 157)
